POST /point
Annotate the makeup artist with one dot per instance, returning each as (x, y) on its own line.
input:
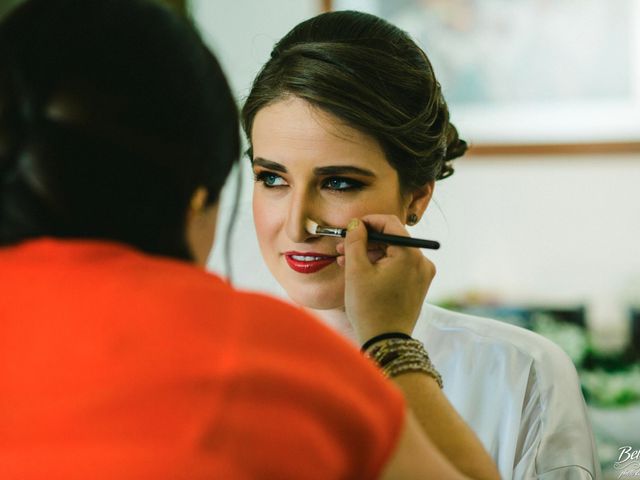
(120, 357)
(346, 119)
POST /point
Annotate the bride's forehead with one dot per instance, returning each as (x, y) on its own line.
(295, 117)
(292, 129)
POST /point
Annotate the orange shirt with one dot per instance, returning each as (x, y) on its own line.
(119, 365)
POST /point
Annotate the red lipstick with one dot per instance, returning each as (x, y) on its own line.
(308, 262)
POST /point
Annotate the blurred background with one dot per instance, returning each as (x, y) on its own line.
(540, 224)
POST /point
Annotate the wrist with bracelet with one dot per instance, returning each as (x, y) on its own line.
(397, 353)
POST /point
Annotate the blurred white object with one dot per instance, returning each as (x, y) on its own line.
(608, 321)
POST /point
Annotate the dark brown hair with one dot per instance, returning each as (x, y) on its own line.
(374, 77)
(150, 118)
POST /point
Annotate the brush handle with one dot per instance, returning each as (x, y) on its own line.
(403, 241)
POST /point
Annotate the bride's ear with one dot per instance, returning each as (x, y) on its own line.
(418, 201)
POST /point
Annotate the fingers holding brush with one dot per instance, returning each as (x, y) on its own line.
(385, 296)
(390, 225)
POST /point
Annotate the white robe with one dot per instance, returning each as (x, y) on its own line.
(518, 391)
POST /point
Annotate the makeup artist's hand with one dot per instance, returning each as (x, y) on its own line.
(385, 296)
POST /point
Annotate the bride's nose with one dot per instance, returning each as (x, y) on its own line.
(301, 207)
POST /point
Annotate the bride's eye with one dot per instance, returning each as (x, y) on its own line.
(270, 179)
(342, 184)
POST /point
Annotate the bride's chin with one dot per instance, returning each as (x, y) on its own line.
(317, 300)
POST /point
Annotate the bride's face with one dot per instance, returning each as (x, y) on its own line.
(309, 164)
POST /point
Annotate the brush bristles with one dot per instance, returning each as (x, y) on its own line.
(314, 229)
(311, 226)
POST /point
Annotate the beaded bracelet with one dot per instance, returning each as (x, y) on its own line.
(396, 356)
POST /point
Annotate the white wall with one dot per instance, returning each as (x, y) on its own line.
(561, 230)
(242, 34)
(550, 229)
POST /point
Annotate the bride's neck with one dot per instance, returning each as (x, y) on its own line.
(337, 319)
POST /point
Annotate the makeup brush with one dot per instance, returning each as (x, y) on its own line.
(314, 229)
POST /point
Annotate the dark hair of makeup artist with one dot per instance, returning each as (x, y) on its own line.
(371, 75)
(112, 113)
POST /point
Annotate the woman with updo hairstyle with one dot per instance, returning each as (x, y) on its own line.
(345, 121)
(120, 357)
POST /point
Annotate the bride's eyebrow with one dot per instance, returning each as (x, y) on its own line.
(343, 170)
(269, 164)
(318, 171)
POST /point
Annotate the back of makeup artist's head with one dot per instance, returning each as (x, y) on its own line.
(113, 113)
(371, 75)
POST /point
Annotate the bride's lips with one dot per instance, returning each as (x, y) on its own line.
(308, 262)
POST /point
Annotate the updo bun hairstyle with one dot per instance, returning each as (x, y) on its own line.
(371, 75)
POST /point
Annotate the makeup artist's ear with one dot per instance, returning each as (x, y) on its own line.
(198, 199)
(417, 201)
(201, 225)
